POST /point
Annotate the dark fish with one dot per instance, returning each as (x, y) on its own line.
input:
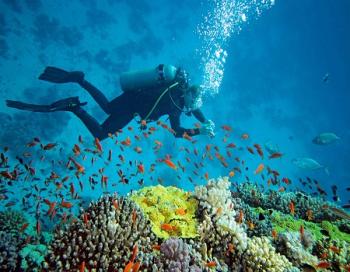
(307, 268)
(325, 232)
(261, 217)
(346, 206)
(334, 189)
(325, 78)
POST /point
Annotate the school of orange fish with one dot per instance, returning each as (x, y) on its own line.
(57, 195)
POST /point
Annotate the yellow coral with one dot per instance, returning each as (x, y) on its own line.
(170, 210)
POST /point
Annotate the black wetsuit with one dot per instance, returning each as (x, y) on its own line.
(123, 108)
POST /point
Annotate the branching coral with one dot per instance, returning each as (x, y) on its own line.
(175, 254)
(261, 256)
(103, 239)
(290, 244)
(8, 252)
(11, 221)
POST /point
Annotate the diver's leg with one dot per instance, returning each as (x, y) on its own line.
(26, 106)
(117, 120)
(97, 95)
(91, 123)
(66, 104)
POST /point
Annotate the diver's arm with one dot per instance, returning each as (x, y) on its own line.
(199, 115)
(180, 131)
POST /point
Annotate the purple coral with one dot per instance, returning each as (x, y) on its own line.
(176, 256)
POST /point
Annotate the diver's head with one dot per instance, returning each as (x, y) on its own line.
(193, 97)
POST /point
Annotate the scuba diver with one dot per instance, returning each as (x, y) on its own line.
(148, 94)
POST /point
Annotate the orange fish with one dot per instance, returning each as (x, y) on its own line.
(76, 150)
(48, 146)
(281, 189)
(167, 227)
(115, 204)
(138, 149)
(72, 189)
(275, 155)
(231, 145)
(78, 166)
(180, 211)
(126, 142)
(206, 176)
(335, 249)
(135, 250)
(128, 267)
(85, 218)
(186, 136)
(23, 228)
(259, 169)
(136, 267)
(133, 216)
(156, 247)
(211, 264)
(66, 204)
(226, 128)
(323, 265)
(292, 208)
(286, 180)
(240, 217)
(140, 168)
(170, 163)
(302, 232)
(51, 208)
(231, 174)
(245, 136)
(82, 267)
(309, 214)
(98, 145)
(274, 234)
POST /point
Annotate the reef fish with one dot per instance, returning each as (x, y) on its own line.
(325, 138)
(271, 147)
(308, 164)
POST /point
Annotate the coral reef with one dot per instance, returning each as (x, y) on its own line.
(8, 252)
(261, 256)
(32, 257)
(170, 210)
(306, 207)
(336, 252)
(175, 255)
(220, 235)
(103, 239)
(290, 245)
(11, 221)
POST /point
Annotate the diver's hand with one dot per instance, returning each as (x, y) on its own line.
(207, 129)
(58, 75)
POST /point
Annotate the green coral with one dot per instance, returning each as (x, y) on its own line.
(282, 222)
(32, 257)
(170, 206)
(334, 232)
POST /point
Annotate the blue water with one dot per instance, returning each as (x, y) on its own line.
(272, 87)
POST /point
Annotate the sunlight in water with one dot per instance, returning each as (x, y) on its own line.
(225, 18)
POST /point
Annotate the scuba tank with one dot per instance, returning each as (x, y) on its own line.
(143, 80)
